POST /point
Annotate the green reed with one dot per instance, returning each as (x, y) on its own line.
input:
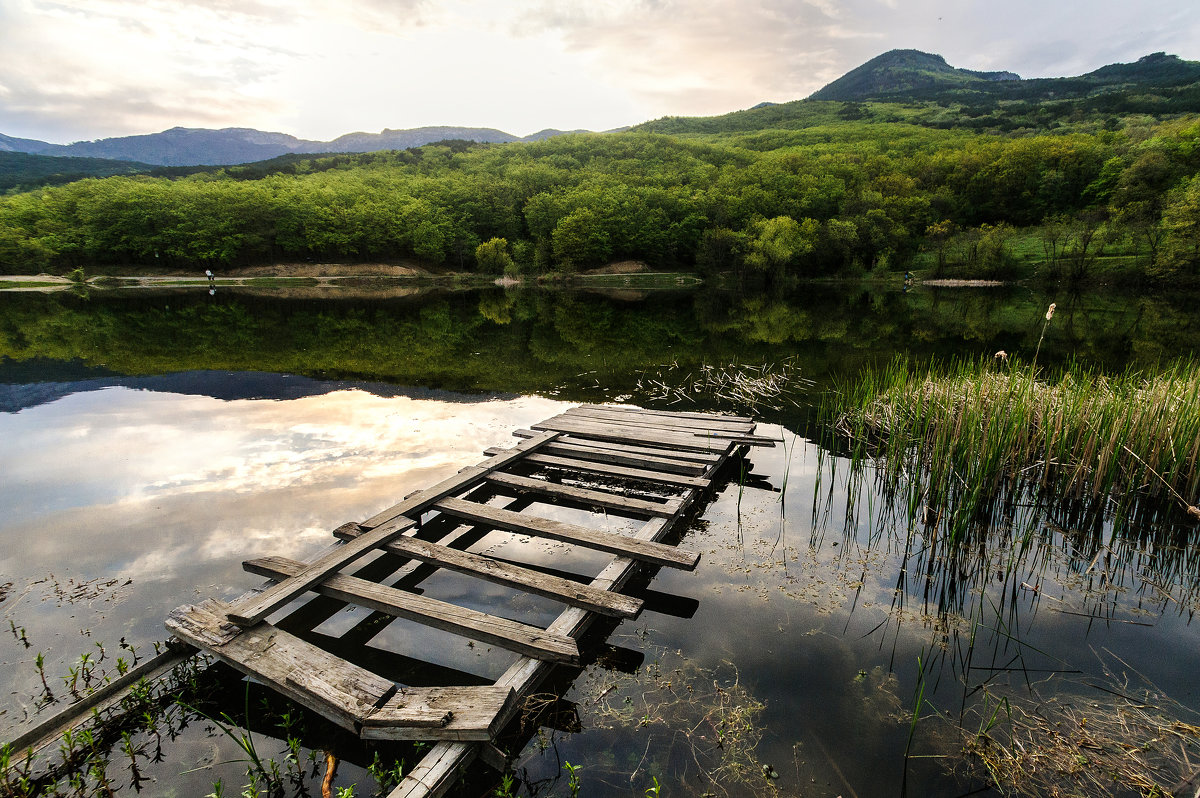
(975, 439)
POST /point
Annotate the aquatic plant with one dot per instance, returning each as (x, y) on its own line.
(973, 440)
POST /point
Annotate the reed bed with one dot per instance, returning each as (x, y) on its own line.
(977, 439)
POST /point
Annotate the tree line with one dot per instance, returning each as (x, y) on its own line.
(830, 199)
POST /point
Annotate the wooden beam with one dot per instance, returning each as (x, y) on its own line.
(593, 498)
(502, 632)
(624, 472)
(625, 545)
(255, 608)
(632, 421)
(458, 483)
(635, 435)
(347, 693)
(705, 458)
(475, 713)
(567, 591)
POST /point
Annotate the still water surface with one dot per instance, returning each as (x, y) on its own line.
(151, 442)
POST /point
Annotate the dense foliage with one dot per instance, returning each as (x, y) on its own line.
(826, 199)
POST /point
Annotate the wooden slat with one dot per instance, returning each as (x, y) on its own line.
(290, 665)
(634, 435)
(682, 414)
(616, 471)
(502, 632)
(257, 607)
(635, 422)
(567, 591)
(625, 545)
(638, 460)
(455, 484)
(437, 772)
(594, 498)
(665, 423)
(705, 458)
(475, 713)
(590, 456)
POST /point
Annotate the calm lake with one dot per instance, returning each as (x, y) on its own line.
(154, 440)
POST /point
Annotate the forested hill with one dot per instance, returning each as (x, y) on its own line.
(920, 88)
(902, 72)
(22, 170)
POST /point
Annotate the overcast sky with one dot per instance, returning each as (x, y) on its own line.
(83, 69)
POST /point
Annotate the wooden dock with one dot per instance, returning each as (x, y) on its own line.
(626, 462)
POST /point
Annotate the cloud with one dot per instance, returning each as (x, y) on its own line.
(320, 68)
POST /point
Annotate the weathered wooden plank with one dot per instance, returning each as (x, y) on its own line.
(624, 472)
(625, 545)
(703, 459)
(682, 414)
(287, 663)
(437, 772)
(665, 423)
(473, 713)
(567, 591)
(502, 632)
(50, 730)
(595, 455)
(257, 607)
(455, 484)
(605, 454)
(631, 421)
(594, 498)
(635, 435)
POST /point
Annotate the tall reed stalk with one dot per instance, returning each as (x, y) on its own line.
(974, 438)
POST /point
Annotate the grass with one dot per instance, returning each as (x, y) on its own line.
(976, 438)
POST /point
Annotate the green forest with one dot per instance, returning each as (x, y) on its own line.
(850, 191)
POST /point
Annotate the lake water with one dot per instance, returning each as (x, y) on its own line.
(152, 441)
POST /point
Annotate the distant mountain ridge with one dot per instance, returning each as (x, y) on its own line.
(912, 75)
(181, 146)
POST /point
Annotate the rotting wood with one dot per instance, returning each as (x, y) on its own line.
(577, 594)
(49, 731)
(586, 496)
(611, 542)
(257, 607)
(475, 713)
(633, 435)
(704, 457)
(638, 474)
(636, 423)
(511, 635)
(457, 483)
(349, 692)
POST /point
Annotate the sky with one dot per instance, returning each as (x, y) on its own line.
(86, 69)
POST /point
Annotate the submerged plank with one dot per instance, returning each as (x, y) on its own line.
(472, 713)
(621, 433)
(502, 632)
(330, 686)
(256, 607)
(567, 591)
(624, 472)
(624, 545)
(458, 483)
(594, 498)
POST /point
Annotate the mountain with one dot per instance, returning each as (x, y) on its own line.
(10, 144)
(922, 89)
(181, 146)
(904, 71)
